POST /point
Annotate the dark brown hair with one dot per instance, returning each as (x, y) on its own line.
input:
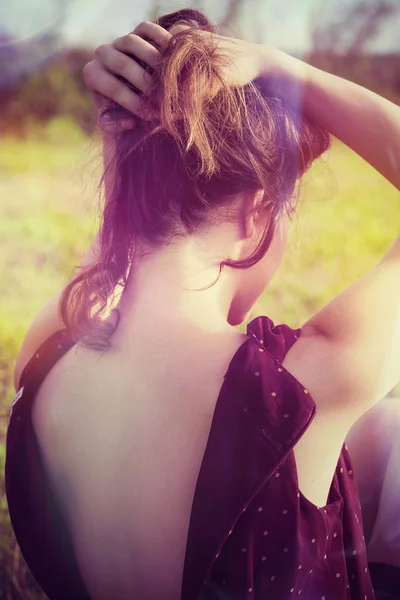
(210, 143)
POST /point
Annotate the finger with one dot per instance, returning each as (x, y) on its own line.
(133, 44)
(128, 124)
(115, 127)
(153, 31)
(101, 81)
(178, 28)
(118, 62)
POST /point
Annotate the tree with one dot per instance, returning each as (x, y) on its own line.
(359, 23)
(342, 46)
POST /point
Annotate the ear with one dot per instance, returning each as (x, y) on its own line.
(248, 226)
(249, 216)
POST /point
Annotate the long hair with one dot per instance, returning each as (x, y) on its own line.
(209, 144)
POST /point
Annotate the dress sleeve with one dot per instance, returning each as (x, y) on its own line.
(279, 398)
(277, 339)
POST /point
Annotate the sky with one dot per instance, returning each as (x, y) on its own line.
(285, 24)
(288, 26)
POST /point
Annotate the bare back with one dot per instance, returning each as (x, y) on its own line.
(127, 465)
(131, 457)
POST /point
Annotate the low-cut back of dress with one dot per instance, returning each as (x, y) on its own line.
(252, 533)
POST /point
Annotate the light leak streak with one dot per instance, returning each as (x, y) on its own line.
(393, 159)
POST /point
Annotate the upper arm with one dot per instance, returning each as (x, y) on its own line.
(354, 341)
(47, 322)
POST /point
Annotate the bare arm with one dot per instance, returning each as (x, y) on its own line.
(363, 120)
(48, 320)
(348, 355)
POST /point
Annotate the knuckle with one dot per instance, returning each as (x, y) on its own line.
(128, 41)
(100, 50)
(147, 77)
(121, 62)
(119, 42)
(87, 72)
(141, 27)
(120, 94)
(115, 88)
(86, 68)
(178, 28)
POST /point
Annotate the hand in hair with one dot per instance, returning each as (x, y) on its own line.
(121, 73)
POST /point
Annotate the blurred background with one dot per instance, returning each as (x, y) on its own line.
(50, 164)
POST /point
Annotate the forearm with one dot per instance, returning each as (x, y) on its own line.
(363, 120)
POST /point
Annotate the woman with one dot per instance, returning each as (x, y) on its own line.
(154, 452)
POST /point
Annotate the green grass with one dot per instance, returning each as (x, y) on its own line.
(47, 220)
(48, 216)
(348, 218)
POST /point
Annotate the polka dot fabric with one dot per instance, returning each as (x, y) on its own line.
(252, 534)
(273, 542)
(296, 551)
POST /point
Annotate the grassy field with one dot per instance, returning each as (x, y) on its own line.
(349, 216)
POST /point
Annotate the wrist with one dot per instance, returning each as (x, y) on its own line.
(290, 77)
(278, 64)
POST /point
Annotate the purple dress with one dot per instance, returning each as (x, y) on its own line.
(252, 533)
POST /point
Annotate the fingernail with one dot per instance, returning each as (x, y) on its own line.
(128, 123)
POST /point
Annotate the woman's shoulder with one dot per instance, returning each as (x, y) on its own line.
(42, 357)
(34, 408)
